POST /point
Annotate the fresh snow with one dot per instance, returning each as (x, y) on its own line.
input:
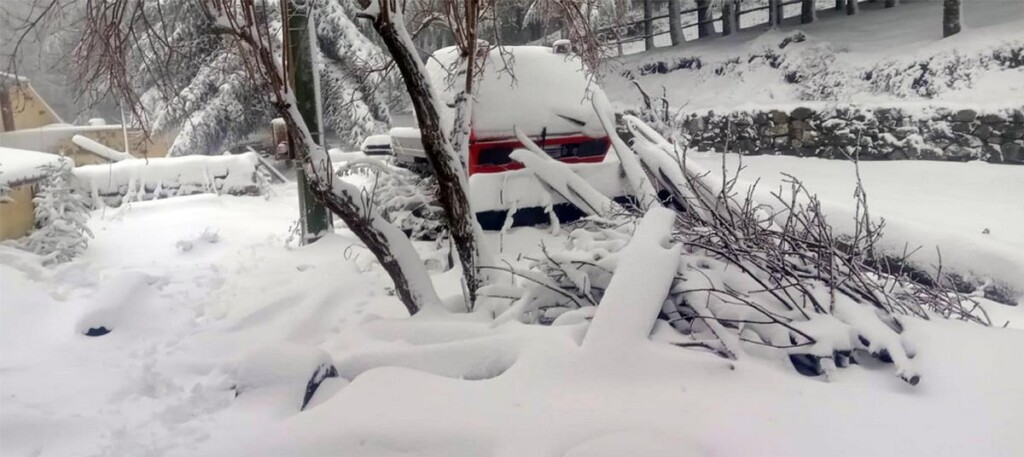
(232, 174)
(971, 212)
(18, 166)
(217, 321)
(530, 87)
(837, 50)
(239, 313)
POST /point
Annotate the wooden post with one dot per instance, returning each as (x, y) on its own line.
(950, 18)
(675, 27)
(808, 12)
(316, 220)
(774, 9)
(704, 25)
(852, 7)
(840, 5)
(730, 20)
(891, 3)
(6, 113)
(648, 26)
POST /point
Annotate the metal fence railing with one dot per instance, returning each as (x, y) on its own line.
(728, 17)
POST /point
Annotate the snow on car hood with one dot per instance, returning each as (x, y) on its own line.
(526, 86)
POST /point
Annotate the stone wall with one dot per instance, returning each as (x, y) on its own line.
(871, 133)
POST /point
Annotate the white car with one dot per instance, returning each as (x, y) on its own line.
(376, 145)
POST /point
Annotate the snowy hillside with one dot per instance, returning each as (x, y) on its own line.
(879, 57)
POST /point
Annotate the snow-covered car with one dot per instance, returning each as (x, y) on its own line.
(544, 91)
(407, 148)
(376, 145)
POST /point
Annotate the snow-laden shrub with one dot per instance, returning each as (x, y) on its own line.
(407, 200)
(404, 198)
(941, 72)
(62, 232)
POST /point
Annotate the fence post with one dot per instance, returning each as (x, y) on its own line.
(852, 7)
(808, 12)
(891, 3)
(773, 13)
(730, 20)
(648, 26)
(840, 5)
(704, 25)
(675, 28)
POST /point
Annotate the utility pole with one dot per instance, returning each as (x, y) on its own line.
(315, 220)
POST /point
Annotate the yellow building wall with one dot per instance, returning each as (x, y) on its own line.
(29, 109)
(113, 139)
(17, 215)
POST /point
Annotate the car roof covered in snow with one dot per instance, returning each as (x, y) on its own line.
(19, 166)
(376, 140)
(531, 87)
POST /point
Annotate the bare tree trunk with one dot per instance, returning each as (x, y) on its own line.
(648, 25)
(388, 244)
(675, 27)
(453, 185)
(808, 12)
(704, 26)
(950, 18)
(730, 20)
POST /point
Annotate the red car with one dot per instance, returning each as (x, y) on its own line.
(543, 91)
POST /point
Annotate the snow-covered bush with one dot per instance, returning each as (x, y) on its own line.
(62, 232)
(406, 199)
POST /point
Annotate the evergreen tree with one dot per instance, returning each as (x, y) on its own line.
(61, 232)
(202, 93)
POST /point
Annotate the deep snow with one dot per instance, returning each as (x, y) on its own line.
(733, 75)
(219, 305)
(216, 325)
(972, 212)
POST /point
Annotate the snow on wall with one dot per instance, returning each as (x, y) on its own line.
(18, 166)
(171, 176)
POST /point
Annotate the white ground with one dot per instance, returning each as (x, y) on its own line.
(925, 204)
(203, 295)
(204, 299)
(877, 35)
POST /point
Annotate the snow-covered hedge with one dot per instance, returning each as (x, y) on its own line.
(819, 70)
(167, 177)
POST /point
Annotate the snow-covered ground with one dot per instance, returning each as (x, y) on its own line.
(972, 211)
(733, 72)
(204, 299)
(216, 323)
